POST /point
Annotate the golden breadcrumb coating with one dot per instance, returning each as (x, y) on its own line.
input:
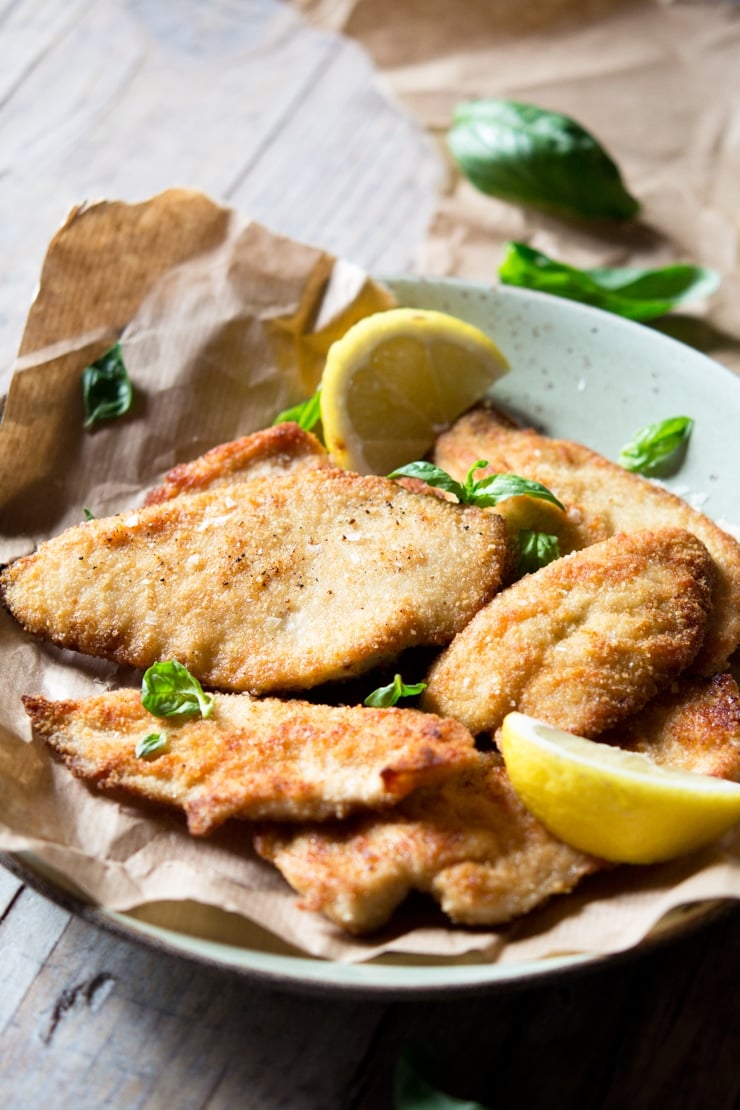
(694, 726)
(468, 842)
(276, 584)
(601, 499)
(264, 454)
(583, 642)
(254, 758)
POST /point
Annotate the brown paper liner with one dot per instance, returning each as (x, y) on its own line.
(222, 323)
(658, 83)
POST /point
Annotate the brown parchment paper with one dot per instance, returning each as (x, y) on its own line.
(657, 82)
(222, 323)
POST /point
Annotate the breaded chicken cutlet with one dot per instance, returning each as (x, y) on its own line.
(268, 453)
(601, 499)
(692, 726)
(468, 842)
(275, 584)
(262, 567)
(254, 758)
(583, 642)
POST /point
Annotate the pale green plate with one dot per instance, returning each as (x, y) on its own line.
(577, 373)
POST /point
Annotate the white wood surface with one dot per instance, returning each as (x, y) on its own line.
(239, 98)
(122, 98)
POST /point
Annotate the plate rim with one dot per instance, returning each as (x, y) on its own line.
(509, 978)
(371, 979)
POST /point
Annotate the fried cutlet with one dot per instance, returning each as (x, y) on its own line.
(264, 454)
(583, 642)
(469, 842)
(254, 758)
(693, 726)
(601, 499)
(274, 584)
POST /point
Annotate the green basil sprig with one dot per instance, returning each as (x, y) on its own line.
(532, 156)
(106, 388)
(169, 690)
(389, 695)
(536, 549)
(484, 492)
(151, 745)
(412, 1092)
(624, 290)
(306, 413)
(657, 450)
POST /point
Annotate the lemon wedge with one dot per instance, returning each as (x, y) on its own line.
(611, 803)
(396, 379)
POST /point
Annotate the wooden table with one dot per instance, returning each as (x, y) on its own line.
(121, 99)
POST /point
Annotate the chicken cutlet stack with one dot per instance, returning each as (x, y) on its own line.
(269, 572)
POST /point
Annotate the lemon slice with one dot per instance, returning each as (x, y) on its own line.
(396, 379)
(610, 803)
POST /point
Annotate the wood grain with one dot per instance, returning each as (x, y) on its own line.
(103, 1022)
(245, 102)
(107, 1023)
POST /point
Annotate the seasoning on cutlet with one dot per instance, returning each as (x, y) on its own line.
(583, 642)
(469, 842)
(264, 454)
(254, 758)
(276, 584)
(601, 499)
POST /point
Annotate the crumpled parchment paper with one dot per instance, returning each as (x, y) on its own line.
(222, 323)
(658, 83)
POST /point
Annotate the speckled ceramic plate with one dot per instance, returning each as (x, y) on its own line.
(576, 373)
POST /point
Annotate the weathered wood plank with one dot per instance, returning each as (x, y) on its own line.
(29, 929)
(28, 31)
(9, 889)
(136, 98)
(351, 172)
(107, 1022)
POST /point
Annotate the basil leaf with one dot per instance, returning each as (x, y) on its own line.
(472, 484)
(88, 514)
(498, 487)
(306, 414)
(169, 690)
(626, 291)
(532, 156)
(151, 745)
(389, 695)
(536, 549)
(657, 450)
(483, 492)
(432, 475)
(106, 389)
(412, 1092)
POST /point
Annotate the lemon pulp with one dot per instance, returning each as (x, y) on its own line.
(611, 803)
(396, 379)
